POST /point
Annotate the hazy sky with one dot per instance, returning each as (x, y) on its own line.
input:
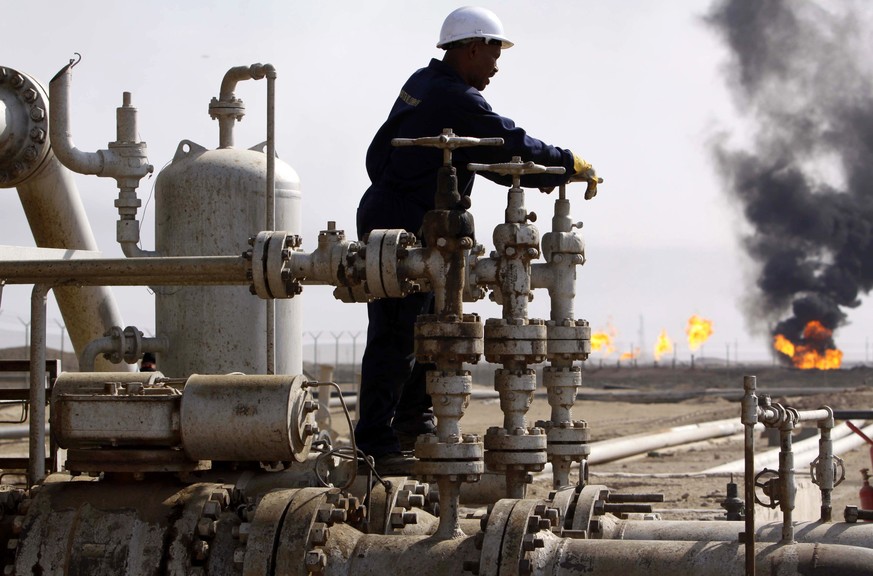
(636, 87)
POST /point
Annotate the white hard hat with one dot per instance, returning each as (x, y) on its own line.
(472, 22)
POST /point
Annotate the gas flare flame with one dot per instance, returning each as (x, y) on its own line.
(664, 345)
(602, 342)
(634, 353)
(814, 350)
(698, 330)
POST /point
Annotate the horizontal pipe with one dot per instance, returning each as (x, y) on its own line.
(16, 432)
(804, 451)
(618, 448)
(170, 271)
(813, 415)
(853, 414)
(698, 558)
(844, 534)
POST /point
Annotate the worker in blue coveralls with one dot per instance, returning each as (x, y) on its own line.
(394, 407)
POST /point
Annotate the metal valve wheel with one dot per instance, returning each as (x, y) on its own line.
(768, 481)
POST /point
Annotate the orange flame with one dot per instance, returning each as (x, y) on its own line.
(663, 346)
(808, 356)
(698, 330)
(602, 342)
(635, 352)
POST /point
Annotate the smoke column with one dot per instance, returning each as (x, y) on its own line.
(799, 71)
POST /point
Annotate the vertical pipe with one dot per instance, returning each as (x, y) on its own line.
(826, 475)
(749, 419)
(36, 395)
(786, 479)
(271, 207)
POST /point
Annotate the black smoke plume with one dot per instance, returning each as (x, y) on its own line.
(799, 70)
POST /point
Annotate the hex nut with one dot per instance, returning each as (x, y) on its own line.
(211, 509)
(206, 527)
(315, 560)
(319, 534)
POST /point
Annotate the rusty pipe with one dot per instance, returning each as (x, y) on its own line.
(36, 394)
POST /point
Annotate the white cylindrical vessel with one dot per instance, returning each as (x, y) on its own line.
(209, 202)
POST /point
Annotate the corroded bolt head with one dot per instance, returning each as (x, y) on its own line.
(319, 534)
(30, 95)
(337, 515)
(310, 406)
(241, 532)
(206, 528)
(37, 135)
(37, 114)
(553, 516)
(510, 251)
(211, 509)
(533, 523)
(17, 81)
(529, 543)
(239, 556)
(221, 496)
(315, 560)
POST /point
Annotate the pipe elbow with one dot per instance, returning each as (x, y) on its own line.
(132, 250)
(59, 128)
(92, 349)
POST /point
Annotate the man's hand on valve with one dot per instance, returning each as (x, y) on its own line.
(584, 172)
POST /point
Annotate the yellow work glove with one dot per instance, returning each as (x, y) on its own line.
(584, 172)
